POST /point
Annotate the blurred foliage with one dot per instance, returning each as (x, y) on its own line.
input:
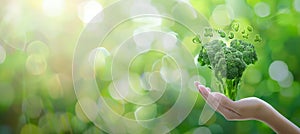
(37, 42)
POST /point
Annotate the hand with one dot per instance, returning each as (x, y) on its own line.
(244, 109)
(251, 108)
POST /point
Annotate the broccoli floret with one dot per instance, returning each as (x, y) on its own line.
(249, 54)
(229, 65)
(228, 62)
(208, 52)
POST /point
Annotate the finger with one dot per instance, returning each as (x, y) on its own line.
(213, 101)
(205, 93)
(202, 89)
(223, 102)
(197, 83)
(226, 102)
(216, 101)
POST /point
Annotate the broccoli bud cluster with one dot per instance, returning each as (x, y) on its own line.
(228, 62)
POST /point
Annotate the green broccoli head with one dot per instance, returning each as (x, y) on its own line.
(227, 61)
(208, 52)
(249, 54)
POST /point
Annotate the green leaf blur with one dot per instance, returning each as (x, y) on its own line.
(38, 39)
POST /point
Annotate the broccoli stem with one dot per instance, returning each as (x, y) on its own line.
(231, 87)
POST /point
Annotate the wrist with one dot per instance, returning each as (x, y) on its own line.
(267, 114)
(262, 111)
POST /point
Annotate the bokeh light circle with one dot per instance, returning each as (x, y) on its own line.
(278, 70)
(36, 64)
(222, 15)
(202, 130)
(297, 5)
(38, 47)
(170, 66)
(262, 9)
(88, 9)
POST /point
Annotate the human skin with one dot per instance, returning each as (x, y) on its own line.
(251, 108)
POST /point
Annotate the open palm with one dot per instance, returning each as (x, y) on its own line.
(251, 108)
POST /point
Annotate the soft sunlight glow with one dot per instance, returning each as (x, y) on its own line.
(53, 7)
(88, 10)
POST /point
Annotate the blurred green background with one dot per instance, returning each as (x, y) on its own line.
(38, 38)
